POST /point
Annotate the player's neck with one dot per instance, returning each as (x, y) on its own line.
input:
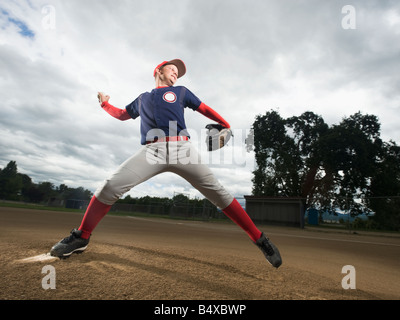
(161, 84)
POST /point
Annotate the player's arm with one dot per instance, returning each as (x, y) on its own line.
(212, 114)
(120, 114)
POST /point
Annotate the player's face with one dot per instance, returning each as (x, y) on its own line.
(169, 74)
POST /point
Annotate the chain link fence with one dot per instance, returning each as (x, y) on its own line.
(200, 210)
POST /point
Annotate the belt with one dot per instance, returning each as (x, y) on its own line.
(166, 139)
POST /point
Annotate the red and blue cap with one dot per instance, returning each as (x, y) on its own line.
(177, 63)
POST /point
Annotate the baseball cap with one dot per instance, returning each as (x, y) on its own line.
(176, 62)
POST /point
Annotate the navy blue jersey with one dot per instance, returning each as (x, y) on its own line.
(162, 112)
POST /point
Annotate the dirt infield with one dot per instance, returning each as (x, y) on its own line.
(160, 259)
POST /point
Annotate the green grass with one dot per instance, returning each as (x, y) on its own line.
(114, 213)
(36, 207)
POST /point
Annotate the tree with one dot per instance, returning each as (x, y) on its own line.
(64, 192)
(17, 186)
(47, 190)
(384, 192)
(351, 151)
(308, 129)
(26, 186)
(10, 182)
(327, 167)
(288, 164)
(80, 194)
(277, 171)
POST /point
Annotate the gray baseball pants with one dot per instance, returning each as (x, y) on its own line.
(179, 157)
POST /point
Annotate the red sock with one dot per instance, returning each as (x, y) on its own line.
(237, 214)
(94, 213)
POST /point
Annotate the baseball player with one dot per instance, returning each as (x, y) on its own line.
(166, 147)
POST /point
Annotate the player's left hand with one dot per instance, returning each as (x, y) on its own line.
(217, 136)
(102, 97)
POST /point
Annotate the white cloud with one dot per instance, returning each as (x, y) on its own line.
(243, 58)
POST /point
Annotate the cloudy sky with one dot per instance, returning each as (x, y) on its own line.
(243, 58)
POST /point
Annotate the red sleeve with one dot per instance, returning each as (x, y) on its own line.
(205, 110)
(120, 114)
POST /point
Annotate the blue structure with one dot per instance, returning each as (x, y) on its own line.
(312, 216)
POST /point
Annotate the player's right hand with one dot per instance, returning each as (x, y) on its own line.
(102, 97)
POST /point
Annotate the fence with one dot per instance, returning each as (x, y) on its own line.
(387, 208)
(192, 211)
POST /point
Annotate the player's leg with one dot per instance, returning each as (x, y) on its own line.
(201, 177)
(149, 161)
(95, 211)
(188, 165)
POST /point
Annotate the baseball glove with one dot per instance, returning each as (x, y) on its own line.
(217, 136)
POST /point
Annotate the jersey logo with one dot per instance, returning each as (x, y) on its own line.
(169, 97)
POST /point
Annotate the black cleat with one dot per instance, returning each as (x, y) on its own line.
(69, 245)
(270, 251)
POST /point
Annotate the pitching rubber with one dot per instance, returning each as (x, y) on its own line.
(39, 258)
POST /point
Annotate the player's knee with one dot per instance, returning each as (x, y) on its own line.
(110, 192)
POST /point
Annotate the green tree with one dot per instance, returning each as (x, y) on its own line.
(80, 193)
(328, 167)
(287, 155)
(351, 151)
(10, 182)
(277, 160)
(384, 192)
(47, 190)
(27, 187)
(17, 186)
(64, 192)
